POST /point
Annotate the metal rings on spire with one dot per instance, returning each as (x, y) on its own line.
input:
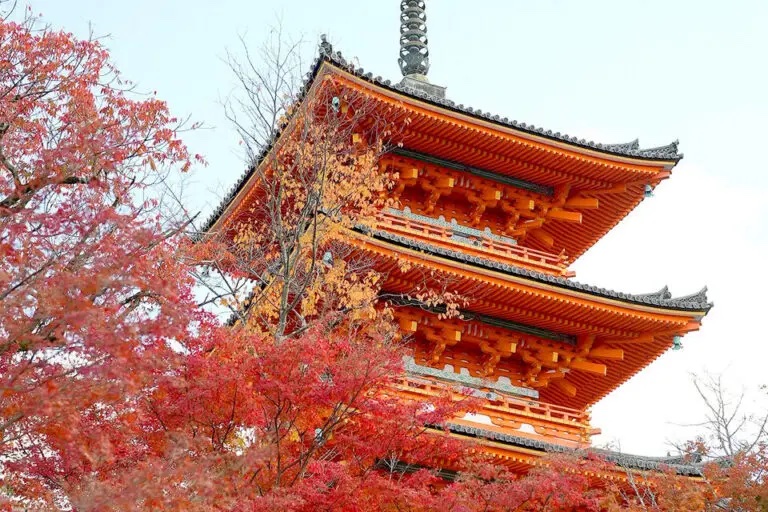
(414, 53)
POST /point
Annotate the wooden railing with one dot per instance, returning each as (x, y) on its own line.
(509, 414)
(475, 242)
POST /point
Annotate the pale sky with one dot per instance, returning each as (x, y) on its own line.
(609, 71)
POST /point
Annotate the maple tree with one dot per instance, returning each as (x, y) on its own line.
(313, 176)
(119, 392)
(310, 183)
(83, 298)
(110, 372)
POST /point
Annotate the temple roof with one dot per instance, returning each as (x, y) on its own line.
(623, 460)
(667, 153)
(662, 298)
(631, 149)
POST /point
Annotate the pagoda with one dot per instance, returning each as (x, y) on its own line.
(499, 210)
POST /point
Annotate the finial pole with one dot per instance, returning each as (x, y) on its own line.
(414, 53)
(326, 48)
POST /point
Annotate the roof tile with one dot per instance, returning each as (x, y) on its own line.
(663, 299)
(620, 459)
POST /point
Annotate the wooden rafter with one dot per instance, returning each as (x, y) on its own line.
(524, 210)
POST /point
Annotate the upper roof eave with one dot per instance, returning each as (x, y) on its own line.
(622, 460)
(666, 155)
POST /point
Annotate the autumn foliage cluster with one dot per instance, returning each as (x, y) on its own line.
(119, 392)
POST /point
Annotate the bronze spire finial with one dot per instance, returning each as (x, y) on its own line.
(414, 54)
(326, 48)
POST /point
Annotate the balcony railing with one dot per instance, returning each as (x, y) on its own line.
(508, 414)
(469, 240)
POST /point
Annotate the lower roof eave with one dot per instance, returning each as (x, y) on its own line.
(696, 306)
(527, 450)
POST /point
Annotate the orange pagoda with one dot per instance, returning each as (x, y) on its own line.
(499, 210)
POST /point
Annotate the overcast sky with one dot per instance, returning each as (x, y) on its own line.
(604, 70)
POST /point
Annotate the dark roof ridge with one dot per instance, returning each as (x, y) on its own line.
(662, 152)
(661, 294)
(625, 146)
(326, 54)
(663, 299)
(620, 459)
(631, 149)
(694, 297)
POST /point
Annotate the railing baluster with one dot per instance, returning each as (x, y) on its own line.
(539, 259)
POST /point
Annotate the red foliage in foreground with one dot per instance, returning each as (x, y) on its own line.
(117, 393)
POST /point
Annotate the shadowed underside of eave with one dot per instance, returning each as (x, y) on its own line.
(643, 326)
(623, 461)
(666, 156)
